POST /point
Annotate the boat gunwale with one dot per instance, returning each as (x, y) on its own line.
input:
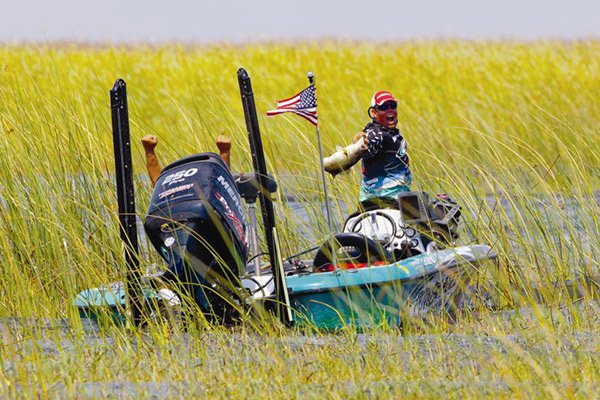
(440, 267)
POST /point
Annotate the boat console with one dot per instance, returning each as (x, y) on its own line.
(414, 225)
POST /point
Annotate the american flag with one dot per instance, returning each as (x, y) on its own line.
(304, 104)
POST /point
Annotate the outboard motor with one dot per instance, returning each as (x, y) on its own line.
(197, 223)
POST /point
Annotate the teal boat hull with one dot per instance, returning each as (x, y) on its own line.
(107, 303)
(364, 298)
(379, 296)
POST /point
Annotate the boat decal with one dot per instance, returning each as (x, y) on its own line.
(239, 227)
(231, 193)
(175, 190)
(428, 259)
(179, 176)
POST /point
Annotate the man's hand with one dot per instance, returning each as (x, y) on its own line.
(223, 144)
(362, 135)
(149, 142)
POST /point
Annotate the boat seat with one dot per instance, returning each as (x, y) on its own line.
(350, 249)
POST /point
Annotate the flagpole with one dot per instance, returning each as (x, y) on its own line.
(311, 80)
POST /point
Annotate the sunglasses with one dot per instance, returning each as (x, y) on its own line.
(388, 105)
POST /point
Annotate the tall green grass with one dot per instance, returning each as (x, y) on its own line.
(510, 130)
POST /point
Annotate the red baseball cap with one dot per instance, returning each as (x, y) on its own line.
(381, 97)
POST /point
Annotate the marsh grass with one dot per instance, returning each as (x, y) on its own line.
(510, 130)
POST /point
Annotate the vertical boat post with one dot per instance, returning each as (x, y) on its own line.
(268, 214)
(126, 196)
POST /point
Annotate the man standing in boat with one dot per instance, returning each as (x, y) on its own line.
(385, 162)
(152, 165)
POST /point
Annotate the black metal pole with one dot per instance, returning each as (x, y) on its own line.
(311, 80)
(260, 167)
(126, 196)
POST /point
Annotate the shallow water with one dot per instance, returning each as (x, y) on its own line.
(51, 338)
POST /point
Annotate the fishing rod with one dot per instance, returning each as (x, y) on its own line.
(268, 214)
(126, 196)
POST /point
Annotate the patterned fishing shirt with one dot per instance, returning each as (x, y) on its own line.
(385, 164)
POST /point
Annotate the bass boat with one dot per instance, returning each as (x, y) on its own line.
(387, 263)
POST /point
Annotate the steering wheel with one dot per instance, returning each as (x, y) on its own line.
(357, 225)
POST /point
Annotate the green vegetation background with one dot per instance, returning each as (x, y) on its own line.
(516, 122)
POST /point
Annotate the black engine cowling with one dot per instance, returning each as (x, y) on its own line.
(197, 222)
